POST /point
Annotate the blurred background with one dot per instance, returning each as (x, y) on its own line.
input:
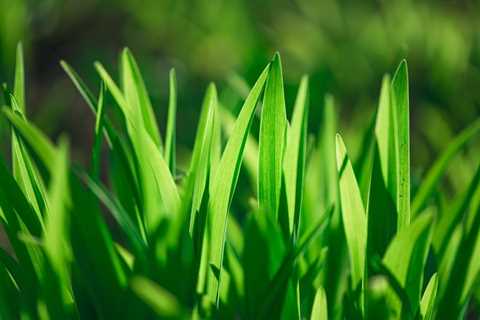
(345, 46)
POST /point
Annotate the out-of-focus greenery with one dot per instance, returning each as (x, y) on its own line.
(345, 46)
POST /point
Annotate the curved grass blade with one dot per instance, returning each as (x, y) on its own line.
(157, 298)
(427, 305)
(56, 279)
(294, 163)
(400, 105)
(406, 257)
(171, 127)
(19, 85)
(224, 183)
(383, 132)
(273, 126)
(437, 170)
(97, 144)
(199, 165)
(319, 309)
(136, 95)
(42, 147)
(353, 213)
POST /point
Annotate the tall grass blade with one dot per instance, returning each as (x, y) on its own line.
(437, 170)
(400, 105)
(225, 181)
(353, 214)
(171, 127)
(273, 126)
(294, 163)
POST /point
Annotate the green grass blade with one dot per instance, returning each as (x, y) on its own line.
(199, 165)
(383, 131)
(87, 95)
(400, 106)
(153, 172)
(294, 163)
(225, 181)
(161, 301)
(273, 126)
(319, 309)
(97, 144)
(19, 85)
(119, 214)
(136, 96)
(80, 85)
(427, 304)
(42, 147)
(437, 170)
(406, 257)
(353, 213)
(171, 127)
(453, 215)
(56, 238)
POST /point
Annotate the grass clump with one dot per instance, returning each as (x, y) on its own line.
(321, 236)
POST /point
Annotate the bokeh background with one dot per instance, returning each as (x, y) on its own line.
(345, 46)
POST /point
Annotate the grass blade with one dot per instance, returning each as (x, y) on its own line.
(353, 214)
(273, 126)
(137, 97)
(161, 301)
(225, 181)
(406, 257)
(294, 163)
(400, 106)
(172, 112)
(427, 304)
(319, 309)
(437, 170)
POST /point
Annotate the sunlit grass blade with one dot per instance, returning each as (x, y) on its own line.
(273, 126)
(406, 257)
(225, 181)
(319, 309)
(153, 170)
(56, 283)
(136, 96)
(24, 169)
(196, 181)
(400, 106)
(161, 301)
(170, 140)
(437, 170)
(19, 85)
(427, 304)
(353, 214)
(294, 163)
(250, 161)
(383, 133)
(80, 85)
(97, 144)
(35, 139)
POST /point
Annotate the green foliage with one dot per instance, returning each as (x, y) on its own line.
(324, 239)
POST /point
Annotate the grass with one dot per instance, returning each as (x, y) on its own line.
(319, 236)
